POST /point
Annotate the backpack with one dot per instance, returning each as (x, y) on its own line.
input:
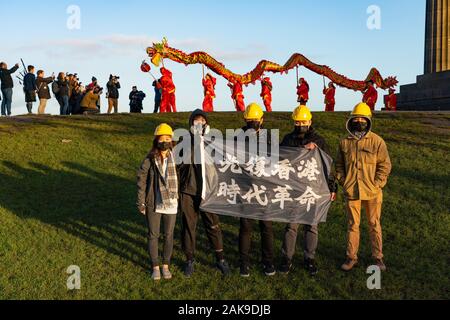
(55, 88)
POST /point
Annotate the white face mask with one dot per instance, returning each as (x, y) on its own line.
(200, 128)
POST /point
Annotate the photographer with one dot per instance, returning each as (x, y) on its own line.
(113, 87)
(136, 98)
(43, 90)
(89, 103)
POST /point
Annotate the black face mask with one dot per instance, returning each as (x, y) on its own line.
(255, 125)
(359, 126)
(164, 146)
(301, 129)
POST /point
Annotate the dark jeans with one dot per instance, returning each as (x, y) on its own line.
(154, 227)
(157, 106)
(64, 105)
(310, 241)
(245, 240)
(190, 208)
(7, 101)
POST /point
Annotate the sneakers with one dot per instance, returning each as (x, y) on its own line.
(167, 275)
(269, 270)
(311, 267)
(245, 271)
(380, 264)
(189, 268)
(349, 264)
(286, 267)
(223, 266)
(156, 276)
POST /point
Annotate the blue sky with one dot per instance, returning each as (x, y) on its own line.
(114, 35)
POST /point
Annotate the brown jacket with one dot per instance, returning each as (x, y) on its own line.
(90, 100)
(363, 166)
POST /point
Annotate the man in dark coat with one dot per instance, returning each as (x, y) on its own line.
(7, 87)
(304, 136)
(192, 189)
(43, 90)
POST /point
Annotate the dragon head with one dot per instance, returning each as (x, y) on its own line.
(158, 51)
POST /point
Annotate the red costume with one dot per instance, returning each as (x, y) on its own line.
(303, 92)
(168, 101)
(209, 85)
(266, 93)
(237, 95)
(330, 101)
(390, 101)
(370, 97)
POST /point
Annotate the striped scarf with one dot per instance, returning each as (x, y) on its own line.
(167, 181)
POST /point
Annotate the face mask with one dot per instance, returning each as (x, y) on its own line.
(359, 126)
(301, 129)
(255, 125)
(164, 146)
(200, 129)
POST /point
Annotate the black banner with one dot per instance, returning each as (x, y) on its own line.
(289, 186)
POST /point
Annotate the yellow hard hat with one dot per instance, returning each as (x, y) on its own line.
(253, 111)
(362, 110)
(302, 113)
(163, 130)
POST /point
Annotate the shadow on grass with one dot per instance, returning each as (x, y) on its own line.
(93, 206)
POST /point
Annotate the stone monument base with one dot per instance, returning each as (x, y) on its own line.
(430, 93)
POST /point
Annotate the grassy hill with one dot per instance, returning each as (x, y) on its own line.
(71, 202)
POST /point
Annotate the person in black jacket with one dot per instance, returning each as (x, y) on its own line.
(158, 195)
(192, 191)
(113, 87)
(7, 87)
(43, 90)
(136, 97)
(304, 136)
(29, 88)
(62, 94)
(254, 118)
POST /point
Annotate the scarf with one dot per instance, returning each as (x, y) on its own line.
(167, 181)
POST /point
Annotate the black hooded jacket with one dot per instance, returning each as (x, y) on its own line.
(293, 139)
(190, 174)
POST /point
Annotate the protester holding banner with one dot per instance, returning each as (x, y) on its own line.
(362, 169)
(254, 118)
(304, 136)
(157, 183)
(193, 190)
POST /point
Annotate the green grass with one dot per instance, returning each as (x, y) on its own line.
(65, 204)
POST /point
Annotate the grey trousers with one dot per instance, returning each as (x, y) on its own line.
(154, 227)
(310, 241)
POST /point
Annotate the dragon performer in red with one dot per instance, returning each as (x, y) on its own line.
(237, 94)
(266, 93)
(390, 101)
(303, 91)
(168, 100)
(370, 95)
(330, 100)
(209, 86)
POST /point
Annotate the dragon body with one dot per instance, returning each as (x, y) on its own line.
(160, 51)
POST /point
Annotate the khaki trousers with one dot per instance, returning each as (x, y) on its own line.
(42, 106)
(113, 103)
(373, 213)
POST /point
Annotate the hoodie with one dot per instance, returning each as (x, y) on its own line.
(191, 180)
(362, 165)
